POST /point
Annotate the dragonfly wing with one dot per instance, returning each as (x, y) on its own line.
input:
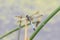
(35, 13)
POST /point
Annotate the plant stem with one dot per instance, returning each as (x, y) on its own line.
(13, 31)
(26, 30)
(19, 30)
(44, 22)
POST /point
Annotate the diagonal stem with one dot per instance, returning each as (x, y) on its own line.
(16, 29)
(44, 22)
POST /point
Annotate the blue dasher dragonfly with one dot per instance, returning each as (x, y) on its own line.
(29, 18)
(36, 17)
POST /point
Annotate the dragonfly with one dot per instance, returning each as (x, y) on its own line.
(30, 19)
(36, 17)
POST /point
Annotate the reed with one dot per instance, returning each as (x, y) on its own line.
(44, 22)
(14, 30)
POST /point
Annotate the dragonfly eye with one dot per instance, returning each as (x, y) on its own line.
(26, 15)
(28, 18)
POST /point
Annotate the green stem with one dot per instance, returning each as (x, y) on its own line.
(13, 31)
(44, 22)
